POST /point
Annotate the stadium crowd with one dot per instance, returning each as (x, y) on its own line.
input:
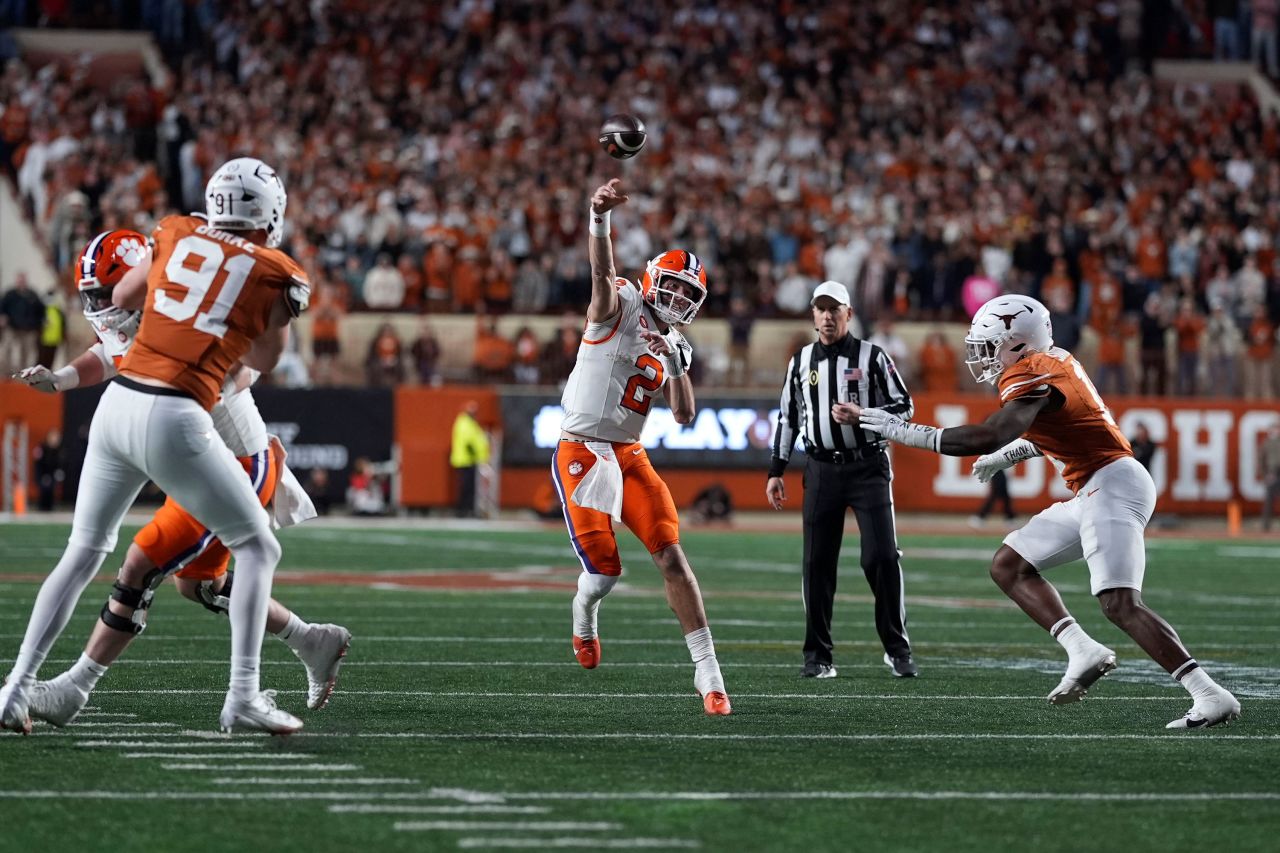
(438, 158)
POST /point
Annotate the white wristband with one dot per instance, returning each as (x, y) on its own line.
(65, 378)
(675, 365)
(598, 223)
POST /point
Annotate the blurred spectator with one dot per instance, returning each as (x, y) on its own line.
(469, 450)
(1113, 373)
(21, 317)
(1269, 465)
(938, 363)
(1063, 320)
(741, 319)
(561, 352)
(494, 354)
(326, 310)
(384, 364)
(1188, 326)
(528, 357)
(50, 469)
(532, 286)
(366, 493)
(1226, 30)
(54, 330)
(713, 504)
(426, 355)
(1264, 35)
(1154, 375)
(1222, 345)
(290, 370)
(1144, 449)
(892, 343)
(317, 488)
(1258, 356)
(997, 493)
(383, 286)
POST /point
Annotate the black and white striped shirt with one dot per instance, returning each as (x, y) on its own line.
(848, 371)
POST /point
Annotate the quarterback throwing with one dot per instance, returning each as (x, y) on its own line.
(1046, 396)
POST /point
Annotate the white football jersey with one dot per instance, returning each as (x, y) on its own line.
(615, 379)
(236, 418)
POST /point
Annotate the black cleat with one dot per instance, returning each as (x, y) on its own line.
(903, 666)
(818, 670)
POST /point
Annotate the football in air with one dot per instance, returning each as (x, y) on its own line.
(622, 136)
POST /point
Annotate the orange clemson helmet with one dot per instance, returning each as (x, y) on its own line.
(675, 285)
(103, 263)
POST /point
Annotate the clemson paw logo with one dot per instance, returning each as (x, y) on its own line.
(575, 468)
(131, 251)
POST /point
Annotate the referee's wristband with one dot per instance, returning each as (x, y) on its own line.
(777, 467)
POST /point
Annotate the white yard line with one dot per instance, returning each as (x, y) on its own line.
(84, 715)
(1010, 796)
(230, 756)
(336, 780)
(144, 744)
(1172, 737)
(80, 727)
(507, 825)
(568, 842)
(374, 808)
(223, 768)
(242, 796)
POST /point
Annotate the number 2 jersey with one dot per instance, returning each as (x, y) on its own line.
(615, 379)
(209, 294)
(1081, 435)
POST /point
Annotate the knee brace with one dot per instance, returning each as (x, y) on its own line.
(137, 598)
(216, 602)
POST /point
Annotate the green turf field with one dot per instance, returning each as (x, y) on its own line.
(461, 720)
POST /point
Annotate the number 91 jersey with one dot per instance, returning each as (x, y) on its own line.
(615, 379)
(209, 294)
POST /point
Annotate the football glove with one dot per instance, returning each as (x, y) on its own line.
(681, 356)
(896, 429)
(986, 466)
(49, 381)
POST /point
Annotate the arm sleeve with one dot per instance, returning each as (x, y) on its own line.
(897, 400)
(784, 435)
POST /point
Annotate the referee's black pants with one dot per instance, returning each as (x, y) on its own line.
(829, 490)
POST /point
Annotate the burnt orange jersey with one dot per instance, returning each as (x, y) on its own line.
(1081, 435)
(209, 294)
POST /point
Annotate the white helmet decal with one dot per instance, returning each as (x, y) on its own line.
(246, 194)
(1004, 330)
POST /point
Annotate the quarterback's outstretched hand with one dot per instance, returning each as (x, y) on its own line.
(896, 429)
(608, 196)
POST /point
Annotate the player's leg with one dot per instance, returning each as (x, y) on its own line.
(109, 484)
(592, 536)
(872, 501)
(1121, 500)
(190, 463)
(650, 513)
(824, 512)
(1050, 539)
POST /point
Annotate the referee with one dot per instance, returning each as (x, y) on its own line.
(846, 467)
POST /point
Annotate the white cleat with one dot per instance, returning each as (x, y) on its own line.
(1219, 708)
(13, 709)
(259, 714)
(57, 701)
(326, 646)
(1082, 671)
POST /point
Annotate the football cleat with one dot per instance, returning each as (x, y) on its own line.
(1218, 708)
(587, 652)
(322, 653)
(901, 667)
(716, 704)
(258, 714)
(13, 709)
(57, 701)
(1082, 671)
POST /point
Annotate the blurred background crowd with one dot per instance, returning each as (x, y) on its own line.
(928, 155)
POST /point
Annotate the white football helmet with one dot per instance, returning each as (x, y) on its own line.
(246, 194)
(1004, 330)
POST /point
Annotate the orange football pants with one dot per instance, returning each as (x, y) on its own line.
(174, 540)
(647, 508)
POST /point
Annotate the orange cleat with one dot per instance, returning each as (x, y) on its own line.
(587, 651)
(716, 704)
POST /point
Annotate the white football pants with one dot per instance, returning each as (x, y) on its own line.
(136, 437)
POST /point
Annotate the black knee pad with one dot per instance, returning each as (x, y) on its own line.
(138, 599)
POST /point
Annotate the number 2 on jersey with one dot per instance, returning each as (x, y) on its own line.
(198, 282)
(633, 396)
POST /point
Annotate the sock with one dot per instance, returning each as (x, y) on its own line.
(256, 561)
(1071, 637)
(294, 633)
(1195, 680)
(85, 672)
(54, 605)
(706, 676)
(586, 604)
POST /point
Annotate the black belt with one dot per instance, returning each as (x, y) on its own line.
(158, 390)
(844, 457)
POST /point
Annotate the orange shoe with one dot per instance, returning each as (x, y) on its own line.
(716, 704)
(587, 651)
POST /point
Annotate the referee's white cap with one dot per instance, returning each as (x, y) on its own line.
(834, 289)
